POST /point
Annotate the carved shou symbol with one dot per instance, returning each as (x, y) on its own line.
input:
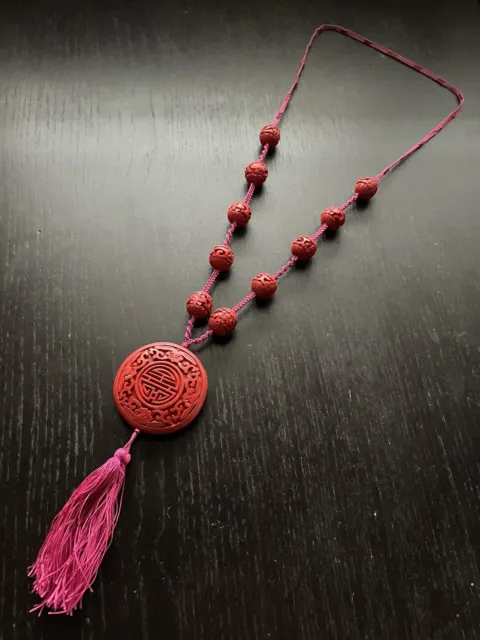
(160, 384)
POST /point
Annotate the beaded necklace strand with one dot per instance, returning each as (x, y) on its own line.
(161, 387)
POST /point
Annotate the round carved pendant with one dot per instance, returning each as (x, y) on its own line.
(160, 388)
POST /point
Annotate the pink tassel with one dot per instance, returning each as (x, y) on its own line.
(79, 537)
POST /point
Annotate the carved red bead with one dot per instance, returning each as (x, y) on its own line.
(333, 217)
(221, 257)
(264, 285)
(366, 188)
(256, 173)
(199, 304)
(223, 321)
(240, 213)
(304, 247)
(270, 134)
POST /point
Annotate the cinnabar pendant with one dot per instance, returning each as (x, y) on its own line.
(160, 388)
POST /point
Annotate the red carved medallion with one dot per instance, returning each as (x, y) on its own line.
(160, 388)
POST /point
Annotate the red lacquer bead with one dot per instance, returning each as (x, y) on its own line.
(199, 304)
(366, 188)
(270, 134)
(221, 257)
(264, 285)
(304, 247)
(256, 173)
(223, 322)
(333, 217)
(240, 213)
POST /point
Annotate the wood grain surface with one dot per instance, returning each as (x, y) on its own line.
(330, 487)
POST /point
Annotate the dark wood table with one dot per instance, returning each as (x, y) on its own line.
(330, 487)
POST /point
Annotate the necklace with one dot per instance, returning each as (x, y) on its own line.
(161, 387)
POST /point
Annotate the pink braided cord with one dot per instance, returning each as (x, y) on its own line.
(431, 134)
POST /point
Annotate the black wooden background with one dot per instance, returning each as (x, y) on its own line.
(330, 488)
